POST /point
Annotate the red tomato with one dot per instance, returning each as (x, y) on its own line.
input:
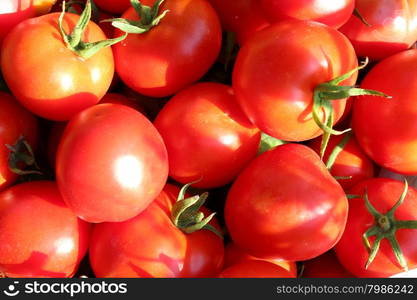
(244, 17)
(332, 13)
(123, 100)
(277, 70)
(205, 131)
(234, 254)
(150, 245)
(173, 54)
(15, 122)
(325, 266)
(387, 128)
(286, 205)
(60, 83)
(116, 7)
(383, 194)
(111, 163)
(255, 269)
(350, 162)
(39, 235)
(393, 27)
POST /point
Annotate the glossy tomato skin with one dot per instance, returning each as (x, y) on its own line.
(116, 7)
(387, 129)
(393, 27)
(15, 121)
(331, 13)
(172, 55)
(205, 131)
(234, 254)
(40, 236)
(149, 245)
(111, 163)
(351, 162)
(243, 17)
(277, 70)
(325, 266)
(255, 269)
(383, 193)
(286, 205)
(60, 83)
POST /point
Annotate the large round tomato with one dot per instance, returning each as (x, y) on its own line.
(350, 162)
(243, 17)
(332, 13)
(150, 245)
(116, 7)
(325, 266)
(48, 78)
(173, 54)
(255, 269)
(383, 194)
(111, 163)
(15, 122)
(387, 128)
(39, 235)
(286, 205)
(278, 69)
(205, 131)
(392, 27)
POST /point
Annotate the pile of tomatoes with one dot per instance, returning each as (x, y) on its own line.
(208, 138)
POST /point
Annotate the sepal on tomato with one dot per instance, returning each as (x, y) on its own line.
(21, 153)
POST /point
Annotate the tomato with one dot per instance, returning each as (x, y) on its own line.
(277, 71)
(12, 12)
(350, 162)
(15, 122)
(325, 266)
(60, 83)
(331, 13)
(150, 245)
(243, 17)
(116, 98)
(39, 235)
(234, 255)
(286, 205)
(392, 27)
(173, 54)
(111, 163)
(116, 7)
(383, 194)
(387, 129)
(205, 131)
(255, 269)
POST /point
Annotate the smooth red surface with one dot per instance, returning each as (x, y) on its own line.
(255, 269)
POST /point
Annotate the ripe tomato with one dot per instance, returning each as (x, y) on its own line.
(286, 205)
(111, 163)
(173, 54)
(387, 129)
(15, 122)
(234, 254)
(39, 235)
(325, 266)
(150, 245)
(60, 83)
(278, 69)
(392, 27)
(383, 194)
(116, 7)
(255, 269)
(350, 162)
(205, 131)
(243, 17)
(116, 98)
(332, 13)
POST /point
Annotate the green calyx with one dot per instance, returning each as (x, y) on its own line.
(357, 14)
(73, 41)
(268, 142)
(186, 214)
(322, 107)
(149, 17)
(21, 153)
(385, 227)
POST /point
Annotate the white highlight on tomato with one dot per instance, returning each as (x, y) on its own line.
(129, 171)
(64, 245)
